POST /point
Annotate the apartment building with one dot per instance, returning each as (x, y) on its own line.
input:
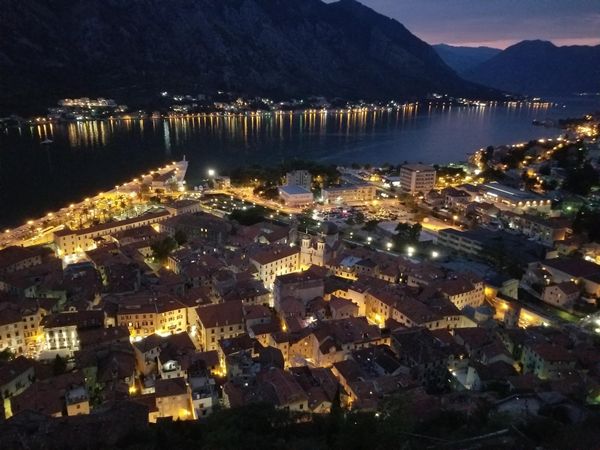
(417, 178)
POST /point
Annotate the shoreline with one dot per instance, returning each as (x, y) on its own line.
(462, 160)
(24, 233)
(143, 115)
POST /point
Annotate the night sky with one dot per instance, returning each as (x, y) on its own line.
(496, 23)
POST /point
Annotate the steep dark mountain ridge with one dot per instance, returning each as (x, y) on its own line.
(131, 50)
(463, 59)
(541, 68)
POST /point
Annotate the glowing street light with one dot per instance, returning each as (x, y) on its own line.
(435, 254)
(211, 172)
(389, 246)
(410, 251)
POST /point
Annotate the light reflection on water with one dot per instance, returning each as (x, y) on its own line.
(86, 157)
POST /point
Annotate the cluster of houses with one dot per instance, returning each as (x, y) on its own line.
(559, 266)
(242, 314)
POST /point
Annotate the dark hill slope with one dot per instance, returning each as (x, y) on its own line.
(131, 49)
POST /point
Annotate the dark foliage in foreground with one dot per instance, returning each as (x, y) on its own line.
(394, 427)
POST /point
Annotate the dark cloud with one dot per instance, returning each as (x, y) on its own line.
(496, 22)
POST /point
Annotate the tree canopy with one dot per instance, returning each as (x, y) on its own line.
(163, 248)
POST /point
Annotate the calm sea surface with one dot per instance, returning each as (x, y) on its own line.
(89, 157)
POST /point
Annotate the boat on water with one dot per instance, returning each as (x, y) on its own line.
(543, 123)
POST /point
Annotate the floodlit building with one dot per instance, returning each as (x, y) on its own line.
(505, 197)
(61, 331)
(68, 242)
(148, 314)
(275, 260)
(20, 329)
(349, 194)
(294, 195)
(219, 321)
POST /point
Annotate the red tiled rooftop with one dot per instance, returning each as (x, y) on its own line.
(220, 314)
(274, 253)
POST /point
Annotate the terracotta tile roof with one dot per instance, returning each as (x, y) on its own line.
(14, 254)
(286, 389)
(552, 353)
(12, 369)
(221, 314)
(265, 328)
(253, 312)
(338, 303)
(148, 302)
(273, 253)
(80, 319)
(575, 267)
(99, 336)
(569, 287)
(170, 387)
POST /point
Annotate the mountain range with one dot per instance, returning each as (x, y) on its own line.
(463, 59)
(50, 49)
(540, 68)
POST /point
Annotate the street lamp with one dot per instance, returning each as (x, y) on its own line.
(389, 246)
(434, 254)
(211, 172)
(410, 251)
